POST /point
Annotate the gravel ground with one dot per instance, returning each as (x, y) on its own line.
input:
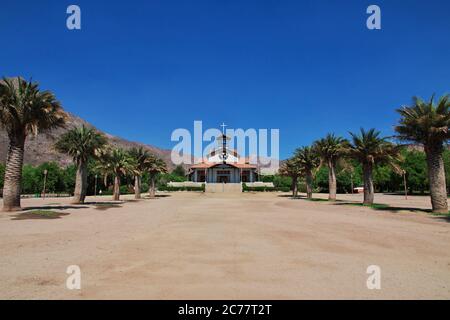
(224, 246)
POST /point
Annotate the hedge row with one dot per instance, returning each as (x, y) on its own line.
(246, 188)
(170, 188)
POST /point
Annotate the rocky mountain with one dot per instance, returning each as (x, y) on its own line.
(40, 149)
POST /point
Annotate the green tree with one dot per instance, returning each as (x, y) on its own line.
(55, 177)
(179, 171)
(309, 161)
(331, 150)
(121, 164)
(30, 180)
(33, 178)
(69, 176)
(140, 156)
(427, 123)
(154, 166)
(162, 179)
(282, 182)
(102, 165)
(24, 110)
(291, 168)
(371, 150)
(81, 144)
(321, 180)
(349, 177)
(415, 167)
(382, 177)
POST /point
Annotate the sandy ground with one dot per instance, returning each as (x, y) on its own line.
(205, 246)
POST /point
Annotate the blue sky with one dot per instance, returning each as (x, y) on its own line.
(140, 69)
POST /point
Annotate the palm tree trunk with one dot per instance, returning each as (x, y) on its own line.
(152, 191)
(331, 182)
(294, 187)
(116, 192)
(309, 180)
(13, 173)
(368, 184)
(80, 184)
(436, 176)
(137, 187)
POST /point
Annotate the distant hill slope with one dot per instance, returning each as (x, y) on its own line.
(40, 149)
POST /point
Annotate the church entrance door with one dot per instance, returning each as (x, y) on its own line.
(223, 176)
(223, 179)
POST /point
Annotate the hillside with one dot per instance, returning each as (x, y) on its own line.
(40, 149)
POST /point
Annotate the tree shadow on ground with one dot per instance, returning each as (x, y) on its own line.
(384, 207)
(94, 203)
(39, 214)
(290, 196)
(397, 209)
(445, 218)
(103, 206)
(49, 207)
(324, 200)
(303, 197)
(157, 196)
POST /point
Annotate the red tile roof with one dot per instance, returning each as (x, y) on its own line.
(206, 165)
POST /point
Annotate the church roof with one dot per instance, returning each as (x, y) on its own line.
(219, 151)
(207, 165)
(210, 162)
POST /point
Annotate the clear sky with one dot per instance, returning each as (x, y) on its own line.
(140, 69)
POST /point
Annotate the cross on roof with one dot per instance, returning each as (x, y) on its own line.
(223, 125)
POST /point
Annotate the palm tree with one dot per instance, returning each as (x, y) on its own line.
(118, 163)
(24, 110)
(81, 144)
(370, 150)
(331, 149)
(140, 155)
(308, 161)
(427, 123)
(103, 163)
(154, 166)
(291, 168)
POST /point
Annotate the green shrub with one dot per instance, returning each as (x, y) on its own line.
(163, 179)
(144, 187)
(108, 192)
(179, 171)
(171, 189)
(246, 188)
(268, 178)
(126, 190)
(281, 181)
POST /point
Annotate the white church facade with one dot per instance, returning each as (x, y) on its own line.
(223, 165)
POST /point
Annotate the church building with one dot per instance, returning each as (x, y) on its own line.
(223, 165)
